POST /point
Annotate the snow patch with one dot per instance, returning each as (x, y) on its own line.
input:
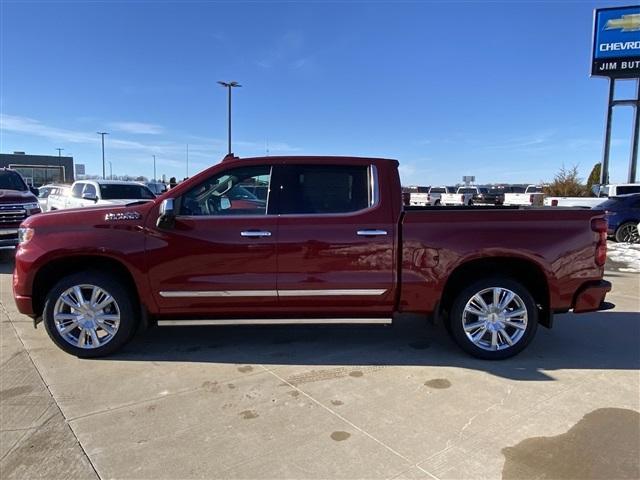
(626, 253)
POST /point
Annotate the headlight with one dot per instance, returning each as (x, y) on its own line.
(32, 208)
(25, 234)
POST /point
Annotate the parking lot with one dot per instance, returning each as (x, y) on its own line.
(302, 402)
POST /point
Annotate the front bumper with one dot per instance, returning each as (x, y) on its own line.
(590, 297)
(8, 237)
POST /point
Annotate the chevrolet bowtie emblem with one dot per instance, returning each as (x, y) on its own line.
(626, 23)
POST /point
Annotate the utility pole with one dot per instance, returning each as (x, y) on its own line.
(187, 160)
(154, 168)
(60, 151)
(110, 171)
(102, 134)
(229, 86)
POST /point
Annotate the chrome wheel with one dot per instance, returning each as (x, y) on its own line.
(628, 233)
(495, 319)
(86, 316)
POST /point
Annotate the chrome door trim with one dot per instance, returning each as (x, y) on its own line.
(274, 321)
(255, 233)
(375, 232)
(272, 293)
(218, 293)
(332, 292)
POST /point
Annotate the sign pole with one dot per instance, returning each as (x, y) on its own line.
(633, 161)
(604, 171)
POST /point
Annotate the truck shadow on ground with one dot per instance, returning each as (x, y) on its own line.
(598, 341)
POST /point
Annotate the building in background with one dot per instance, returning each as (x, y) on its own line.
(39, 170)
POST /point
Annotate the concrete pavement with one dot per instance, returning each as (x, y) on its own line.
(365, 402)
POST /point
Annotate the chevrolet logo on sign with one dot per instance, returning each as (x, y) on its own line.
(616, 42)
(626, 23)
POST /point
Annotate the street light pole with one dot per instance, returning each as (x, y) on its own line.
(102, 134)
(229, 86)
(187, 160)
(110, 170)
(154, 168)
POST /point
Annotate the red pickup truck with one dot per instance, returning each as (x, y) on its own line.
(305, 240)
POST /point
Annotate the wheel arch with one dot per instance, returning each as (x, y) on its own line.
(51, 272)
(528, 273)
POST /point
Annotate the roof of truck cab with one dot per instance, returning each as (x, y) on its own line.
(306, 158)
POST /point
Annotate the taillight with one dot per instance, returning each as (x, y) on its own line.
(531, 199)
(554, 202)
(599, 225)
(462, 198)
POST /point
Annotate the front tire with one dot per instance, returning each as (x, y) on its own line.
(494, 318)
(628, 233)
(89, 314)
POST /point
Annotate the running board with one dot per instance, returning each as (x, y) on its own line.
(275, 321)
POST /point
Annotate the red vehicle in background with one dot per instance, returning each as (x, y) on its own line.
(319, 240)
(17, 202)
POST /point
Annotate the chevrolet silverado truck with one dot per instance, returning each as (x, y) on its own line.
(17, 202)
(331, 243)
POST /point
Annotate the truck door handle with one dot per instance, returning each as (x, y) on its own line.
(367, 233)
(255, 233)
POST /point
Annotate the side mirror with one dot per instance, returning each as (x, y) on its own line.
(225, 203)
(89, 196)
(34, 190)
(167, 216)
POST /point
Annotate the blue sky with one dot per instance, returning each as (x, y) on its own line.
(497, 90)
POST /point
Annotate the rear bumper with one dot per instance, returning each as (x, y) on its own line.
(590, 297)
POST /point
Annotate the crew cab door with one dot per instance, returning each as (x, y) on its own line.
(335, 241)
(219, 258)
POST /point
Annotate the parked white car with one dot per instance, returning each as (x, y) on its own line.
(43, 194)
(88, 193)
(58, 198)
(532, 196)
(434, 195)
(601, 192)
(463, 196)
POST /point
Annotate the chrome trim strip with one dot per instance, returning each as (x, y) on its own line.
(373, 187)
(219, 293)
(255, 233)
(332, 292)
(272, 293)
(275, 321)
(8, 231)
(371, 232)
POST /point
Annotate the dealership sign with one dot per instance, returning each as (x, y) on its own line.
(616, 42)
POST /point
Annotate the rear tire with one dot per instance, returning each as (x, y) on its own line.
(89, 314)
(628, 233)
(493, 331)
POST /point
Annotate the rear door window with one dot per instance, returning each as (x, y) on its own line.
(77, 190)
(323, 189)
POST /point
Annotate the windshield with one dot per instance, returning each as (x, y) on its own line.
(467, 190)
(438, 190)
(534, 190)
(129, 192)
(11, 181)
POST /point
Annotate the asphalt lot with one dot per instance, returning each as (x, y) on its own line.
(327, 402)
